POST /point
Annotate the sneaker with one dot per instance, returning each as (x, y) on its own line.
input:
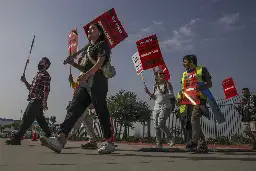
(13, 141)
(42, 143)
(52, 143)
(202, 148)
(90, 145)
(107, 148)
(191, 145)
(159, 146)
(172, 142)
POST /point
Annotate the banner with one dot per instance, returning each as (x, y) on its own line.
(112, 27)
(73, 42)
(149, 52)
(190, 94)
(137, 63)
(166, 72)
(229, 88)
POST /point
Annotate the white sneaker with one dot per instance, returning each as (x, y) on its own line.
(52, 143)
(172, 142)
(106, 148)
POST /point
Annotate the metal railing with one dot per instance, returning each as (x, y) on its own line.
(209, 126)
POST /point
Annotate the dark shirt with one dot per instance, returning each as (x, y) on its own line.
(100, 49)
(247, 109)
(99, 81)
(39, 86)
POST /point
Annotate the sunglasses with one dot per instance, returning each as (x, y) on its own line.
(161, 73)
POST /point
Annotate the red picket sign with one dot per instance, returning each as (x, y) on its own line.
(72, 42)
(166, 72)
(150, 53)
(112, 27)
(190, 94)
(229, 88)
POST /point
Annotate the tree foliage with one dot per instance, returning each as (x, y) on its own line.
(125, 108)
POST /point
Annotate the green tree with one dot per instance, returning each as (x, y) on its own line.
(53, 119)
(125, 108)
(16, 125)
(1, 128)
(143, 115)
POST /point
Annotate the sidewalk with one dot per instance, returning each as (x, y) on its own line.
(210, 146)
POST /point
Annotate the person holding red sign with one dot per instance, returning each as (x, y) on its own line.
(195, 110)
(93, 88)
(164, 105)
(247, 109)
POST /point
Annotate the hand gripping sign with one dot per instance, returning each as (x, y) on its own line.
(137, 63)
(112, 27)
(190, 93)
(72, 42)
(149, 52)
(229, 88)
(166, 72)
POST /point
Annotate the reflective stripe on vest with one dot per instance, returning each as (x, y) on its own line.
(199, 73)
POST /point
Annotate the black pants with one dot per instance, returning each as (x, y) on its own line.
(186, 128)
(81, 100)
(34, 111)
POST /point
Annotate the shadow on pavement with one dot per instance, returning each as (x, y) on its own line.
(71, 147)
(195, 158)
(184, 150)
(57, 164)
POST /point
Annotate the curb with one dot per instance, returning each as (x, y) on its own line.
(182, 145)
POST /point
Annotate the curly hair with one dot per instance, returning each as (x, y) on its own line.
(47, 60)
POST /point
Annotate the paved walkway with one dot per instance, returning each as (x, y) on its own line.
(31, 156)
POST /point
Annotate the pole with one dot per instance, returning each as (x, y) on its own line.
(31, 47)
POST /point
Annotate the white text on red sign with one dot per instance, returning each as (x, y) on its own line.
(149, 53)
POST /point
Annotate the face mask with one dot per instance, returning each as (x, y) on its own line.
(246, 96)
(40, 67)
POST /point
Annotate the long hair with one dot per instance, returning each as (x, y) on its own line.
(102, 37)
(157, 82)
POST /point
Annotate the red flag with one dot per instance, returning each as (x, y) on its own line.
(73, 42)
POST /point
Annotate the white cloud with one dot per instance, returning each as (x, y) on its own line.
(230, 19)
(153, 27)
(182, 38)
(147, 31)
(230, 22)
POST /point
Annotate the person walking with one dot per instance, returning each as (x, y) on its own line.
(195, 112)
(247, 109)
(38, 96)
(164, 104)
(93, 88)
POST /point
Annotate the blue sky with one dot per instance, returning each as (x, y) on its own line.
(220, 32)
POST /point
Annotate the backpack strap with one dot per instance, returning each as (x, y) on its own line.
(91, 59)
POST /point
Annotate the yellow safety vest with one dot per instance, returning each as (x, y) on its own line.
(199, 73)
(182, 107)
